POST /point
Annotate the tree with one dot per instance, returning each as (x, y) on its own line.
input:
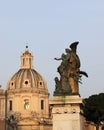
(93, 109)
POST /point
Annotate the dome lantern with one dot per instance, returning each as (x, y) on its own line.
(26, 60)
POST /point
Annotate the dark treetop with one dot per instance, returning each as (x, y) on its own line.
(70, 74)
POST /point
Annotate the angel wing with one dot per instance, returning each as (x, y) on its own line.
(73, 46)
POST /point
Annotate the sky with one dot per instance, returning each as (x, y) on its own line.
(49, 27)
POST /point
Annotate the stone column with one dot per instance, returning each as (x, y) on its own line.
(66, 112)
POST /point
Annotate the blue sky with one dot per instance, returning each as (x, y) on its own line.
(49, 27)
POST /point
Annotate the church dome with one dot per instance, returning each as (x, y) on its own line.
(27, 79)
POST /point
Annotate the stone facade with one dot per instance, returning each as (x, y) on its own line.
(2, 109)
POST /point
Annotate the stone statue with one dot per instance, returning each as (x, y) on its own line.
(12, 122)
(69, 70)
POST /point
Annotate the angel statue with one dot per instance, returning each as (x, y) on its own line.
(69, 70)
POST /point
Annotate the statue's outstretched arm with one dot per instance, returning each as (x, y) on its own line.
(57, 58)
(83, 73)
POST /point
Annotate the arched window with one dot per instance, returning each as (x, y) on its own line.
(42, 104)
(10, 105)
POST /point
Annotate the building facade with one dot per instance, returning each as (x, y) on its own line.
(25, 103)
(2, 109)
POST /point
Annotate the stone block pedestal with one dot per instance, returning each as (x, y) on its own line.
(66, 112)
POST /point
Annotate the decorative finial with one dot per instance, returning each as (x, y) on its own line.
(26, 45)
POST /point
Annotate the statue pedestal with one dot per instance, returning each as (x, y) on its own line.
(66, 112)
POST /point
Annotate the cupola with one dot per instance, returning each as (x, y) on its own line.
(26, 60)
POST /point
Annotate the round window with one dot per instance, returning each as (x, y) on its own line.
(26, 82)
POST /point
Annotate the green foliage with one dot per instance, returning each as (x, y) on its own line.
(93, 108)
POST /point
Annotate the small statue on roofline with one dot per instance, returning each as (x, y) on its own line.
(70, 74)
